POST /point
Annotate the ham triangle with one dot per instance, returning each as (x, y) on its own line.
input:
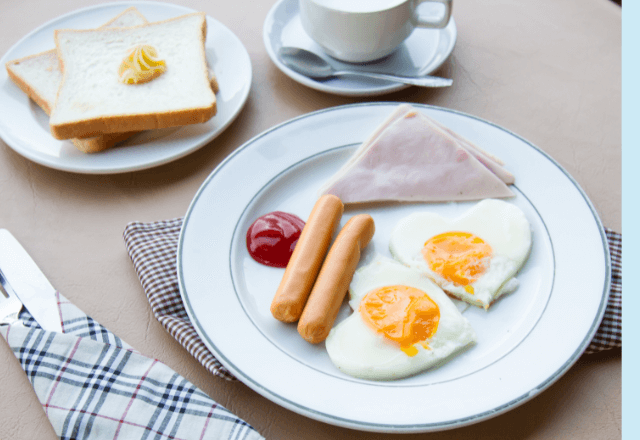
(412, 158)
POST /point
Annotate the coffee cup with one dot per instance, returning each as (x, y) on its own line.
(358, 31)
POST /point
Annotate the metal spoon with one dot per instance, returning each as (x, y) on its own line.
(311, 65)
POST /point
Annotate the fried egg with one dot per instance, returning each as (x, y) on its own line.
(402, 323)
(474, 257)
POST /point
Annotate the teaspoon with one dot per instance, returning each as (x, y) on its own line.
(311, 65)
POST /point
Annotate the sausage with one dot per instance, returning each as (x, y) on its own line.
(334, 279)
(306, 260)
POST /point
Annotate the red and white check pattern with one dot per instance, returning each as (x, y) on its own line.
(94, 386)
(153, 248)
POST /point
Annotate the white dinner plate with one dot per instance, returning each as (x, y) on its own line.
(526, 340)
(25, 127)
(423, 52)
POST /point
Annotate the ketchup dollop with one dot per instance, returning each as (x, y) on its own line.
(272, 238)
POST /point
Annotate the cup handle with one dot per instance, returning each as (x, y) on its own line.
(439, 22)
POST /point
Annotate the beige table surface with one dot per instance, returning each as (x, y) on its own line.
(548, 70)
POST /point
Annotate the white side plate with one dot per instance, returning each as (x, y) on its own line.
(25, 127)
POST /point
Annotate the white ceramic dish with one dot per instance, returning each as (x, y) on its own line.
(25, 127)
(423, 52)
(526, 341)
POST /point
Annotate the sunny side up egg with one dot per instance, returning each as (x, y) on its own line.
(402, 324)
(473, 257)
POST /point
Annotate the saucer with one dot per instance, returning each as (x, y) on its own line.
(422, 53)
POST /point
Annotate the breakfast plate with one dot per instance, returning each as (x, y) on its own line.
(525, 341)
(25, 127)
(422, 53)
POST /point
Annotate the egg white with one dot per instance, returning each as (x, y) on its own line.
(502, 225)
(359, 351)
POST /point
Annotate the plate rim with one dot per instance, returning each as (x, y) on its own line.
(143, 164)
(399, 428)
(316, 85)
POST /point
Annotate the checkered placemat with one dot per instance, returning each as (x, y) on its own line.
(153, 248)
(92, 385)
(609, 334)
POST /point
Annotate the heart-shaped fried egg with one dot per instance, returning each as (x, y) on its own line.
(402, 323)
(474, 257)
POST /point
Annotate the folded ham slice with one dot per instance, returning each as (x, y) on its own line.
(493, 163)
(410, 157)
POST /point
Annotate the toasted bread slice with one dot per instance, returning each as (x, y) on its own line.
(411, 158)
(93, 100)
(39, 76)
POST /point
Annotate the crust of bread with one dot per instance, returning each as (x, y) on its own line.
(96, 144)
(25, 87)
(93, 144)
(132, 9)
(127, 123)
(214, 82)
(136, 122)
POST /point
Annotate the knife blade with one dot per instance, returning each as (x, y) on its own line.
(29, 283)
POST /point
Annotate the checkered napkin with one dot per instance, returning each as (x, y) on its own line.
(153, 248)
(92, 385)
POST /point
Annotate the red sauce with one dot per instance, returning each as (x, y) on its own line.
(272, 238)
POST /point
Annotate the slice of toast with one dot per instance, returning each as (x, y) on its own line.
(410, 158)
(39, 76)
(93, 100)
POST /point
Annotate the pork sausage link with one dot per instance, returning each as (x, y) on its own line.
(306, 260)
(335, 276)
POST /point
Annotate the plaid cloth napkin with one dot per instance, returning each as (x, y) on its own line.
(153, 248)
(92, 385)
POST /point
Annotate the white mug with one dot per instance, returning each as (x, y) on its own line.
(364, 30)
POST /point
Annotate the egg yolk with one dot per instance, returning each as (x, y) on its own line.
(459, 257)
(403, 314)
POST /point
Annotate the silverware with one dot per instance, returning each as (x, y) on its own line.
(311, 65)
(10, 305)
(30, 285)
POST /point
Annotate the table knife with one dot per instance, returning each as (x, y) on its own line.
(29, 283)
